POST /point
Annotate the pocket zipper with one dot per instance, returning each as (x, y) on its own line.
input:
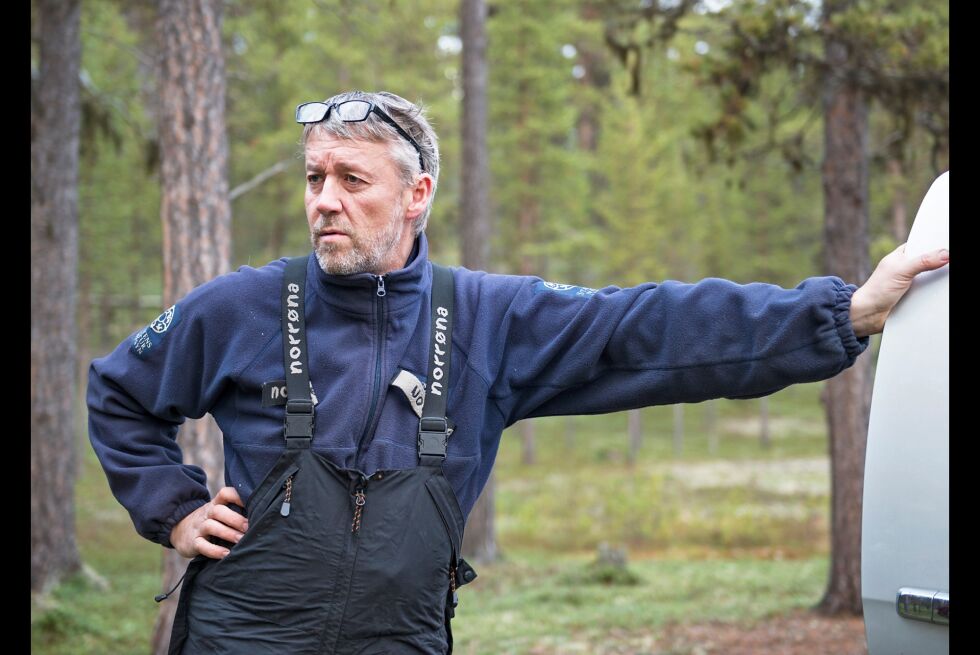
(256, 507)
(284, 510)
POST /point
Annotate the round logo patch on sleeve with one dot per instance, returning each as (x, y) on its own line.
(152, 334)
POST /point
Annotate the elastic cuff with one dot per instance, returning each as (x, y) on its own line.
(185, 508)
(853, 346)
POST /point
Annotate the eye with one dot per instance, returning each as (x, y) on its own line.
(353, 180)
(313, 179)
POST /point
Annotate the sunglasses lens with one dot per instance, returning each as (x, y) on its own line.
(353, 110)
(311, 112)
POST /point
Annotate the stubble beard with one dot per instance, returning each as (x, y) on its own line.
(366, 254)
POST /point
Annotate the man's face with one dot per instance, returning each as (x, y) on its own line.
(357, 207)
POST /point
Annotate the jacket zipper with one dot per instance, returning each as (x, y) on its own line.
(330, 635)
(380, 292)
(359, 501)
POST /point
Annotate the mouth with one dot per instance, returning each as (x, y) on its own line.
(331, 234)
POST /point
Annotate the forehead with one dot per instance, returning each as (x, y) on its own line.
(328, 150)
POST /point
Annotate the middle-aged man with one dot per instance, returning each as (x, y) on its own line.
(362, 392)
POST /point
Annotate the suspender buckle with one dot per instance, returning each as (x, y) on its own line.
(299, 406)
(433, 436)
(299, 418)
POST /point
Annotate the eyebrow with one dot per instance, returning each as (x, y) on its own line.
(340, 164)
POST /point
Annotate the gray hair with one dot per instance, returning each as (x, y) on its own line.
(410, 117)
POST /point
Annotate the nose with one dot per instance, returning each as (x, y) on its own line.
(328, 200)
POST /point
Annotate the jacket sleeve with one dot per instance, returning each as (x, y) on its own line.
(570, 350)
(178, 366)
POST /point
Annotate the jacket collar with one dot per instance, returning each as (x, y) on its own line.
(356, 294)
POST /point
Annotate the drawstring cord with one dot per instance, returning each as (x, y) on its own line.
(165, 596)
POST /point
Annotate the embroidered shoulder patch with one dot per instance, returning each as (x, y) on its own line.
(564, 289)
(152, 334)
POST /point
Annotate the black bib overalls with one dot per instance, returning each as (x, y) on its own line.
(333, 561)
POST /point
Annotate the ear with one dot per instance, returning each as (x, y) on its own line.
(420, 194)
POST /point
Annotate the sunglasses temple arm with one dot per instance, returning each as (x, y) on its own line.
(404, 134)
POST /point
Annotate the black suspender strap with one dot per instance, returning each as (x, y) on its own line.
(298, 428)
(433, 426)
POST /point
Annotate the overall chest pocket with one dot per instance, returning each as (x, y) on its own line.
(284, 570)
(405, 552)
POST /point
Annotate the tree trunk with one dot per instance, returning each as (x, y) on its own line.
(635, 423)
(280, 224)
(845, 184)
(678, 430)
(479, 541)
(765, 439)
(569, 432)
(711, 426)
(83, 340)
(477, 227)
(526, 222)
(55, 127)
(195, 207)
(528, 457)
(900, 221)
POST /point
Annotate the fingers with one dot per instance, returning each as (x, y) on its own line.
(214, 519)
(208, 549)
(221, 521)
(228, 495)
(930, 261)
(899, 263)
(218, 528)
(225, 516)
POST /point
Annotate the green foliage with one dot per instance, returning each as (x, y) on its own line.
(538, 173)
(279, 55)
(118, 198)
(648, 202)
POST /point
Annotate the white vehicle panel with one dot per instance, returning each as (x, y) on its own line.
(905, 526)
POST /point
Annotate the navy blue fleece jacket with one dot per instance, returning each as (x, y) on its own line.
(522, 347)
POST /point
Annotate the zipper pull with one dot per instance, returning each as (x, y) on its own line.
(289, 494)
(358, 508)
(381, 286)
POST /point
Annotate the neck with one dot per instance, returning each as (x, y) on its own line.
(401, 256)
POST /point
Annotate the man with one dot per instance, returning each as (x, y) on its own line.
(401, 377)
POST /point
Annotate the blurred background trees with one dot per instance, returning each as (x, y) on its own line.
(626, 141)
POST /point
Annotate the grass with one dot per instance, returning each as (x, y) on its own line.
(527, 603)
(80, 616)
(732, 535)
(582, 491)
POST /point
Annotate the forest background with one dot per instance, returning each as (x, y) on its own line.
(609, 164)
